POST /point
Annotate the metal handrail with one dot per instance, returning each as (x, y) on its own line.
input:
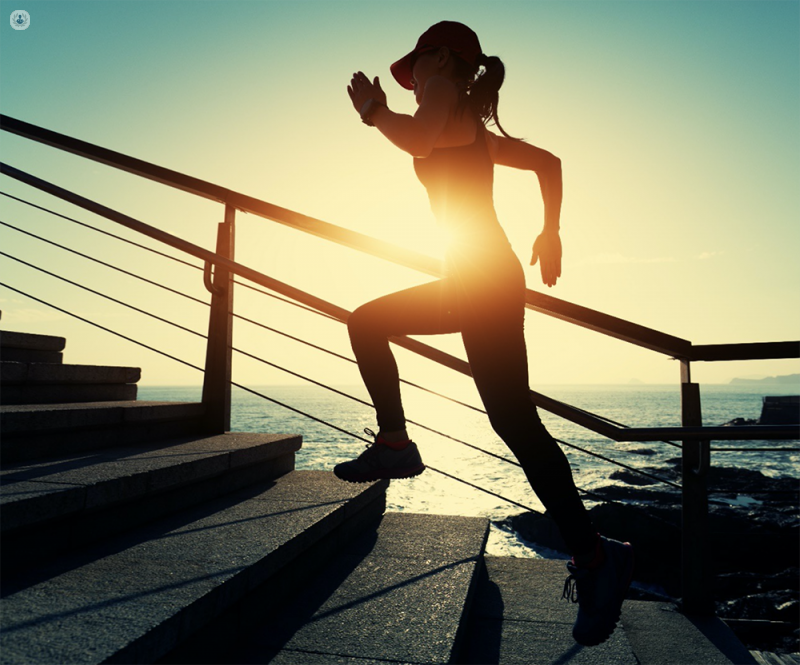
(540, 302)
(575, 415)
(583, 316)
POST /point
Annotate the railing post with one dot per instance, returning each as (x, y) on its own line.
(217, 381)
(696, 578)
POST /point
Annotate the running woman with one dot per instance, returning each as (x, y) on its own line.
(481, 296)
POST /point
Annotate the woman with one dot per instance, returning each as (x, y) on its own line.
(482, 295)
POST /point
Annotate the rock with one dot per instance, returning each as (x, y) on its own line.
(781, 410)
(739, 422)
(733, 585)
(769, 606)
(778, 410)
(631, 478)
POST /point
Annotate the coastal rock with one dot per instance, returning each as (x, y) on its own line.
(778, 410)
(770, 606)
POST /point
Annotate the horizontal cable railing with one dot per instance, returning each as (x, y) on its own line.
(243, 284)
(577, 416)
(271, 399)
(295, 374)
(341, 393)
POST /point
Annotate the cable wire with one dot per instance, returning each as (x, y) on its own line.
(245, 388)
(252, 356)
(282, 299)
(104, 232)
(469, 445)
(296, 304)
(238, 316)
(159, 253)
(103, 263)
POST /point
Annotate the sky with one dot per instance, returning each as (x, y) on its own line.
(677, 123)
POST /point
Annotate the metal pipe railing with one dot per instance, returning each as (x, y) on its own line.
(566, 411)
(583, 316)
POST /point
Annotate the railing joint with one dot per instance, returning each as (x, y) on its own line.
(210, 282)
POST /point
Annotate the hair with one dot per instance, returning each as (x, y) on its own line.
(483, 87)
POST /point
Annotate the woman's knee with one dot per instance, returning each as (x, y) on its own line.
(364, 320)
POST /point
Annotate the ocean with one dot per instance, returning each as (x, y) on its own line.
(631, 405)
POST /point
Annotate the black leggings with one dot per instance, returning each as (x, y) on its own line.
(485, 303)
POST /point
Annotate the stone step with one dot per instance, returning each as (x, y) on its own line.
(399, 594)
(29, 341)
(661, 635)
(29, 348)
(60, 504)
(48, 383)
(38, 431)
(519, 617)
(19, 373)
(139, 597)
(55, 394)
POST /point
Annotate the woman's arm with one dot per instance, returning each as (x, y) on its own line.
(521, 155)
(415, 134)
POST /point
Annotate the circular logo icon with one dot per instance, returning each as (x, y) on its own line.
(20, 19)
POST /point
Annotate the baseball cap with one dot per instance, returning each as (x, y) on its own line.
(456, 36)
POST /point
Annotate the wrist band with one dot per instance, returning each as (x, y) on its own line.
(368, 109)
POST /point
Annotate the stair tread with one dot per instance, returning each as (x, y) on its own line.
(54, 393)
(31, 418)
(19, 340)
(85, 406)
(520, 617)
(168, 580)
(36, 491)
(12, 373)
(399, 594)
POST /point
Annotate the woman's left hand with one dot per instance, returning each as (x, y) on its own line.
(361, 89)
(547, 252)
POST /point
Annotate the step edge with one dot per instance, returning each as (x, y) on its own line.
(137, 485)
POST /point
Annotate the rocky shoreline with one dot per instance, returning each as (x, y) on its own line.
(755, 543)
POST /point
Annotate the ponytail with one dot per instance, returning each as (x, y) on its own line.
(483, 87)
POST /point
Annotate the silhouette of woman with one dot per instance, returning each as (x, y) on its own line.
(482, 295)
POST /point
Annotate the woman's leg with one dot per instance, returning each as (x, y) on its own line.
(422, 310)
(493, 332)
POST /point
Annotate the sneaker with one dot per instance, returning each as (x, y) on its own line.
(380, 461)
(599, 591)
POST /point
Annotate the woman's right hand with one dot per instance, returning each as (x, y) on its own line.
(361, 89)
(547, 251)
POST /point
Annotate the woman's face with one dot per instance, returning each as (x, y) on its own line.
(425, 66)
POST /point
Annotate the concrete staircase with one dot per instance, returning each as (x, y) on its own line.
(128, 535)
